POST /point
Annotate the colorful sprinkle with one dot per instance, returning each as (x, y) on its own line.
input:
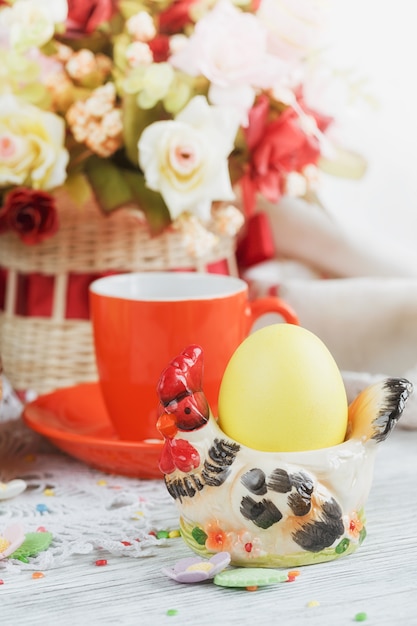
(172, 612)
(248, 547)
(102, 483)
(48, 492)
(41, 529)
(174, 533)
(162, 534)
(38, 575)
(126, 543)
(361, 617)
(292, 575)
(1, 581)
(101, 562)
(313, 603)
(252, 588)
(42, 508)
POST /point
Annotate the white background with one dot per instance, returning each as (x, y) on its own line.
(378, 40)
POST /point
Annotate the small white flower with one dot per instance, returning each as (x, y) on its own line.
(197, 240)
(139, 53)
(177, 43)
(141, 26)
(227, 220)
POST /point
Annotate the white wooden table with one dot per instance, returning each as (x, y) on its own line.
(380, 579)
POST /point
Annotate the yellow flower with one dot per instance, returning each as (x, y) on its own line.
(32, 149)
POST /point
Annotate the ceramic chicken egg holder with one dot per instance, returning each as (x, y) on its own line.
(268, 509)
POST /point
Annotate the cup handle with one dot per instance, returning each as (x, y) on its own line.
(271, 304)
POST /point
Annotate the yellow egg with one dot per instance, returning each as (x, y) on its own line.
(282, 391)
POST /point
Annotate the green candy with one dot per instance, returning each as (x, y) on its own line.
(361, 617)
(249, 577)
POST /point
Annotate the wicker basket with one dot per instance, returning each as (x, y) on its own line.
(45, 353)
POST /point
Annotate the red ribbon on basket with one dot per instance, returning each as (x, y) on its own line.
(35, 292)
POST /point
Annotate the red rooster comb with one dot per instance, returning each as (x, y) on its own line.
(180, 390)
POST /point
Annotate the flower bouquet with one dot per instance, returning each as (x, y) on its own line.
(144, 122)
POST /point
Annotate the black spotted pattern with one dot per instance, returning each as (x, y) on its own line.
(322, 533)
(300, 501)
(279, 481)
(263, 514)
(255, 481)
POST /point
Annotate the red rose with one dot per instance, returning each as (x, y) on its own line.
(29, 213)
(277, 146)
(85, 16)
(160, 48)
(176, 16)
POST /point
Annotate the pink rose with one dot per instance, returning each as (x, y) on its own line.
(229, 48)
(29, 213)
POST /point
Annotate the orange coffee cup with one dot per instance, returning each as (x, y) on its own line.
(141, 321)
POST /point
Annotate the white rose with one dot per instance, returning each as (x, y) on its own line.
(32, 149)
(31, 23)
(186, 159)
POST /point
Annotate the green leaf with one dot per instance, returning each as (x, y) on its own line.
(345, 164)
(32, 545)
(129, 7)
(78, 188)
(135, 120)
(342, 546)
(108, 184)
(115, 186)
(199, 535)
(151, 202)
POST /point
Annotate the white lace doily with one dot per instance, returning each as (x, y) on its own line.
(86, 510)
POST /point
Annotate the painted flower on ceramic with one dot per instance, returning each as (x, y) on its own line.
(195, 570)
(356, 527)
(216, 539)
(167, 106)
(11, 539)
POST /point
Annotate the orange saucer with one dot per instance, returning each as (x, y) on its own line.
(75, 420)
